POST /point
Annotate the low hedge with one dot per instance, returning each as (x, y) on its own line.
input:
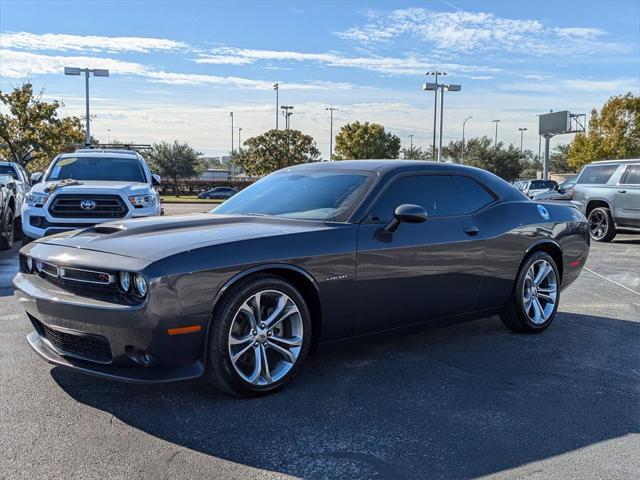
(195, 186)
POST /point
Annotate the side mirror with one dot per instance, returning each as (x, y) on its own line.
(36, 177)
(155, 179)
(406, 213)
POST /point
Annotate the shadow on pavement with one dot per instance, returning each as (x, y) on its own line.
(463, 401)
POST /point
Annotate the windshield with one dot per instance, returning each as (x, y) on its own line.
(8, 170)
(92, 168)
(328, 195)
(539, 184)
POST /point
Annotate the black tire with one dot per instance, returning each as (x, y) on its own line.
(8, 224)
(515, 315)
(17, 229)
(220, 371)
(601, 226)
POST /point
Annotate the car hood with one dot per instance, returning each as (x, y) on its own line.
(90, 186)
(153, 238)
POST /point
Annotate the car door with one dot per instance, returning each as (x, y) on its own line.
(627, 198)
(421, 271)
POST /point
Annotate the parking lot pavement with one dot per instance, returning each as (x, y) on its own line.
(182, 208)
(464, 401)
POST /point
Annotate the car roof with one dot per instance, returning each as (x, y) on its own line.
(97, 153)
(623, 160)
(5, 163)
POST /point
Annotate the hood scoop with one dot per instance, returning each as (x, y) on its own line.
(107, 229)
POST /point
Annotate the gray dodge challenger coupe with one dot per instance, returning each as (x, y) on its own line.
(309, 255)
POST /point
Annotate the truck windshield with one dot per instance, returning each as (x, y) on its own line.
(327, 195)
(91, 168)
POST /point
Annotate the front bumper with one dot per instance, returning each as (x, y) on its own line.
(127, 330)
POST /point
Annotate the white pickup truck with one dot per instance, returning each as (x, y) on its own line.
(88, 187)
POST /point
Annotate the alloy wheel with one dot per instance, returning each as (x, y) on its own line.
(539, 292)
(598, 224)
(265, 337)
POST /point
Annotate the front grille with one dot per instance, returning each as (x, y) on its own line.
(85, 346)
(67, 205)
(86, 276)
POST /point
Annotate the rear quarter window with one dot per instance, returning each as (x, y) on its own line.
(597, 174)
(632, 175)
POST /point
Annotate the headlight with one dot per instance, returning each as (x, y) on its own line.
(37, 199)
(29, 262)
(140, 201)
(124, 281)
(139, 285)
(37, 266)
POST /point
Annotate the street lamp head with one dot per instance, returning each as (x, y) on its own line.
(430, 86)
(495, 121)
(275, 86)
(71, 71)
(100, 72)
(453, 88)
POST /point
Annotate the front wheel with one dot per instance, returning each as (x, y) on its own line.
(8, 230)
(536, 294)
(259, 337)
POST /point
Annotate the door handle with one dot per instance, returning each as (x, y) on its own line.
(622, 191)
(471, 231)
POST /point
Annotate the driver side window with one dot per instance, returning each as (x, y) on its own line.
(438, 194)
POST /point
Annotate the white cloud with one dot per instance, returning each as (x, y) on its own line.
(410, 65)
(89, 43)
(15, 64)
(467, 32)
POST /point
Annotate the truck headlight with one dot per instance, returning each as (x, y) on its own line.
(141, 201)
(37, 199)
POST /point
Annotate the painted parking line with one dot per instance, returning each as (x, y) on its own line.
(612, 281)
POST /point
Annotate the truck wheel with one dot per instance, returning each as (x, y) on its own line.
(6, 239)
(601, 227)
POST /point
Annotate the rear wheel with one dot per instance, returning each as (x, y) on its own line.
(536, 294)
(601, 227)
(259, 338)
(8, 230)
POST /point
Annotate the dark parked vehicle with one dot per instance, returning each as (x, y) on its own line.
(8, 206)
(564, 191)
(309, 255)
(218, 193)
(608, 193)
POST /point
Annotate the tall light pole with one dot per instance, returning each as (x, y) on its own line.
(286, 113)
(411, 140)
(239, 139)
(450, 88)
(331, 110)
(521, 130)
(276, 87)
(463, 125)
(231, 115)
(495, 142)
(97, 72)
(435, 73)
(108, 135)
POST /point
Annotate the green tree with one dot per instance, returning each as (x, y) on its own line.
(480, 152)
(174, 161)
(416, 153)
(276, 149)
(613, 133)
(558, 160)
(31, 132)
(365, 140)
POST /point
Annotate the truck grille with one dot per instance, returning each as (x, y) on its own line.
(67, 205)
(94, 348)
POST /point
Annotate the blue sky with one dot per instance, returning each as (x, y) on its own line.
(178, 68)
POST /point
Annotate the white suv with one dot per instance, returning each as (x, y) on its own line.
(88, 187)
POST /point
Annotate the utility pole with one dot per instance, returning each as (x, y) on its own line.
(495, 142)
(521, 130)
(239, 139)
(331, 110)
(411, 139)
(231, 115)
(463, 125)
(435, 73)
(276, 87)
(97, 72)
